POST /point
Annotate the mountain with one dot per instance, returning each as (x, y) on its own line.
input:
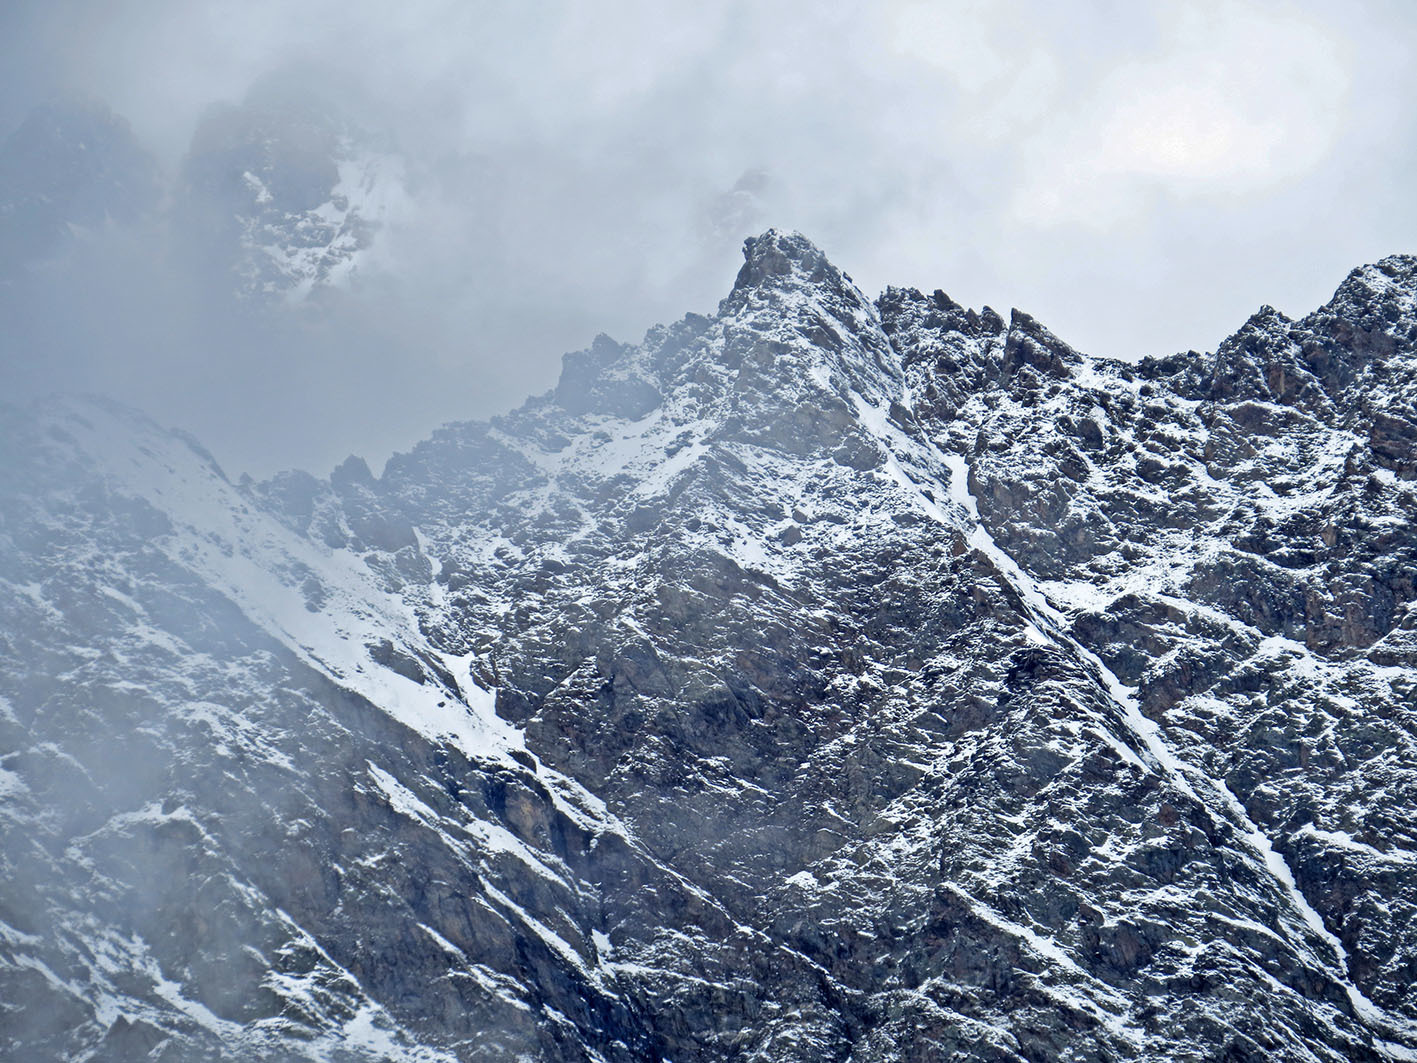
(281, 197)
(821, 679)
(72, 167)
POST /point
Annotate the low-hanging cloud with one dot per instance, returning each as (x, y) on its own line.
(1139, 176)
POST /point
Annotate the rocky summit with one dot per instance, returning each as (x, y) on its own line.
(822, 679)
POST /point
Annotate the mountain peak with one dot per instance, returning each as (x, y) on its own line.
(777, 255)
(1383, 291)
(1401, 268)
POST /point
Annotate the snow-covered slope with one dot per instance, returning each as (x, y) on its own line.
(245, 800)
(819, 679)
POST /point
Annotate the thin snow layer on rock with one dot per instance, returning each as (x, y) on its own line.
(250, 557)
(255, 713)
(1149, 741)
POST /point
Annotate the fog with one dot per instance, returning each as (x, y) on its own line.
(1139, 176)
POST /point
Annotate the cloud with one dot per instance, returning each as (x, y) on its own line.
(1140, 176)
(1230, 101)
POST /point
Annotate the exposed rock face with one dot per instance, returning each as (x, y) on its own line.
(821, 679)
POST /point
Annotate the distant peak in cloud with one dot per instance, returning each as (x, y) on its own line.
(71, 165)
(283, 195)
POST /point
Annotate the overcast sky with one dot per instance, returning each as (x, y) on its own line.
(1139, 176)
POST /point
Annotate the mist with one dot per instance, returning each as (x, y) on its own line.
(1140, 177)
